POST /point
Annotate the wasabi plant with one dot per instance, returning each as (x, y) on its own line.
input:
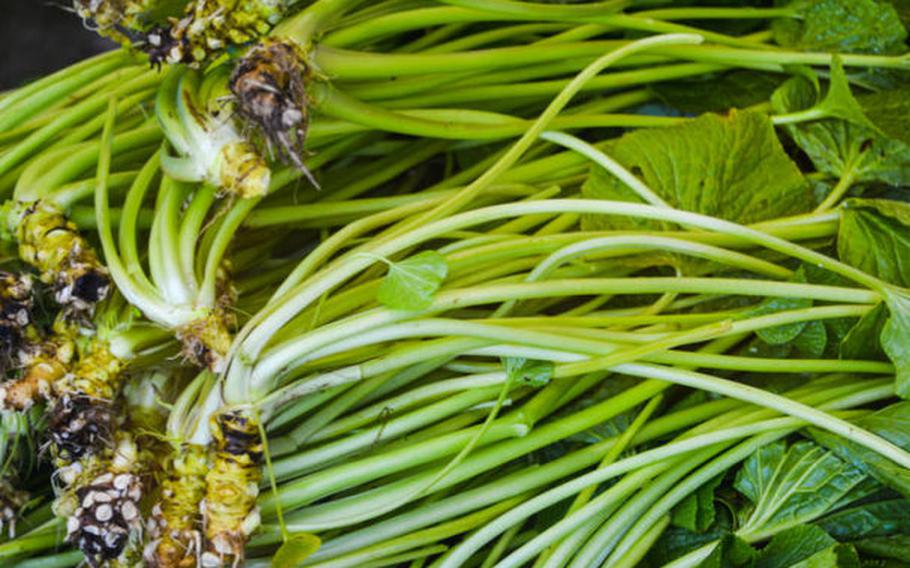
(460, 283)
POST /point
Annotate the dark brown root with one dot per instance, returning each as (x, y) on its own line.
(161, 47)
(269, 90)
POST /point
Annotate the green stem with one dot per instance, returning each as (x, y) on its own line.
(26, 102)
(654, 456)
(848, 177)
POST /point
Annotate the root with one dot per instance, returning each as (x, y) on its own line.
(65, 260)
(83, 416)
(103, 506)
(270, 94)
(176, 523)
(232, 486)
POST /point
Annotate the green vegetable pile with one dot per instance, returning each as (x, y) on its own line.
(445, 283)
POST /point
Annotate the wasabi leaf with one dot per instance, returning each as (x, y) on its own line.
(781, 334)
(891, 423)
(732, 167)
(411, 283)
(862, 341)
(847, 142)
(812, 340)
(895, 546)
(845, 26)
(874, 236)
(795, 547)
(790, 486)
(894, 339)
(880, 518)
(696, 512)
(531, 372)
(889, 111)
(296, 550)
(735, 89)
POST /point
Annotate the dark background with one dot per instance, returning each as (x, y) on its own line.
(40, 36)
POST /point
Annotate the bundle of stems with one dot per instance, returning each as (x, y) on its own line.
(432, 284)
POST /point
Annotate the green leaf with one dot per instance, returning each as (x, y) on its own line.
(891, 423)
(296, 550)
(896, 547)
(781, 334)
(735, 89)
(790, 486)
(411, 283)
(862, 341)
(696, 512)
(794, 546)
(791, 332)
(874, 236)
(851, 144)
(846, 26)
(894, 339)
(531, 372)
(732, 167)
(902, 7)
(731, 552)
(880, 518)
(812, 340)
(839, 556)
(839, 101)
(889, 111)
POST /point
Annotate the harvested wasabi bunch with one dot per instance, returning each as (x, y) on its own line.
(175, 526)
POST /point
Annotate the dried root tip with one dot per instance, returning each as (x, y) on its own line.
(207, 340)
(53, 245)
(11, 502)
(232, 486)
(105, 516)
(175, 526)
(270, 94)
(210, 26)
